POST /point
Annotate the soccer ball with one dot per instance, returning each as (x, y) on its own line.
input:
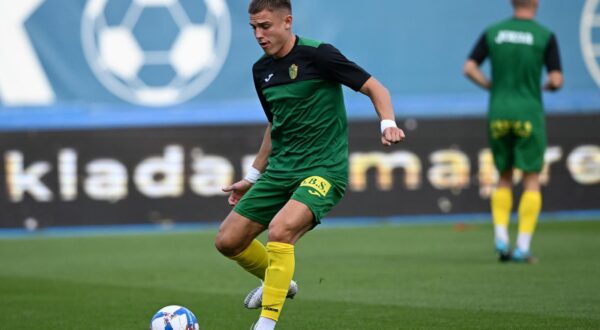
(156, 52)
(174, 318)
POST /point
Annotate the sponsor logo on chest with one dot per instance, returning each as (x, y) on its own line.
(514, 37)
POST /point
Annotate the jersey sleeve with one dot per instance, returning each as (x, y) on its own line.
(263, 101)
(552, 55)
(480, 50)
(335, 66)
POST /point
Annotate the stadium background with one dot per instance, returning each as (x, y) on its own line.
(81, 145)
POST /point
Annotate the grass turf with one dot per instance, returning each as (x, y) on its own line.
(387, 277)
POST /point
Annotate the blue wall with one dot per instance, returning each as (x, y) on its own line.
(415, 48)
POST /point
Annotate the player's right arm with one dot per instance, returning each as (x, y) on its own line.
(237, 190)
(473, 72)
(472, 65)
(262, 158)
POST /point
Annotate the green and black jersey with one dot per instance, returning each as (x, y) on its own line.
(518, 50)
(301, 95)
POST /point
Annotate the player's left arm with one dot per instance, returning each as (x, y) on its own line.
(335, 66)
(555, 78)
(382, 102)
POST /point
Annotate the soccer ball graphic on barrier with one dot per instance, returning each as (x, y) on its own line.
(156, 52)
(174, 318)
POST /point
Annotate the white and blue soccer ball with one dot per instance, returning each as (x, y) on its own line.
(174, 317)
(156, 52)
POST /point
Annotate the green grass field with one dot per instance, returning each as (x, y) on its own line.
(386, 277)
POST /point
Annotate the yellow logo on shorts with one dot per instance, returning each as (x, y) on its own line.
(501, 128)
(321, 186)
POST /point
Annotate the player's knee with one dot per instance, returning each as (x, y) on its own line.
(226, 245)
(531, 181)
(281, 234)
(506, 176)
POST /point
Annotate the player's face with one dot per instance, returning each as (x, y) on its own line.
(273, 31)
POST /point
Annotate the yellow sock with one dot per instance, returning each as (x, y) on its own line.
(501, 206)
(277, 278)
(253, 259)
(529, 210)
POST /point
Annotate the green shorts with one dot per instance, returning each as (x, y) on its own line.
(517, 144)
(319, 191)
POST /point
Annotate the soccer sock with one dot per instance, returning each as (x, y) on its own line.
(253, 259)
(277, 278)
(501, 207)
(529, 210)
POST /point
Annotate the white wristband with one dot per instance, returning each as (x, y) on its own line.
(253, 175)
(387, 123)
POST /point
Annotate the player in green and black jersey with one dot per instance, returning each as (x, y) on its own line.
(518, 49)
(300, 171)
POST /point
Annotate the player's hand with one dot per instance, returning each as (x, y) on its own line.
(236, 191)
(548, 86)
(392, 135)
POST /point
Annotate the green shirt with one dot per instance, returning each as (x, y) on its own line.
(301, 95)
(518, 50)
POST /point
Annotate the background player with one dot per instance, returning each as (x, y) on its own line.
(518, 49)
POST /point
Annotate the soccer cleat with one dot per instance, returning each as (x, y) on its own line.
(523, 257)
(502, 250)
(254, 298)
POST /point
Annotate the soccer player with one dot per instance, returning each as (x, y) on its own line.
(300, 171)
(518, 48)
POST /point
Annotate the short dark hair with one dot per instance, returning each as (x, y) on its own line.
(256, 6)
(521, 3)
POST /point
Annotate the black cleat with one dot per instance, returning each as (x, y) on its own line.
(504, 256)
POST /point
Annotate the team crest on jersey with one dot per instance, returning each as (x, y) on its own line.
(293, 71)
(320, 187)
